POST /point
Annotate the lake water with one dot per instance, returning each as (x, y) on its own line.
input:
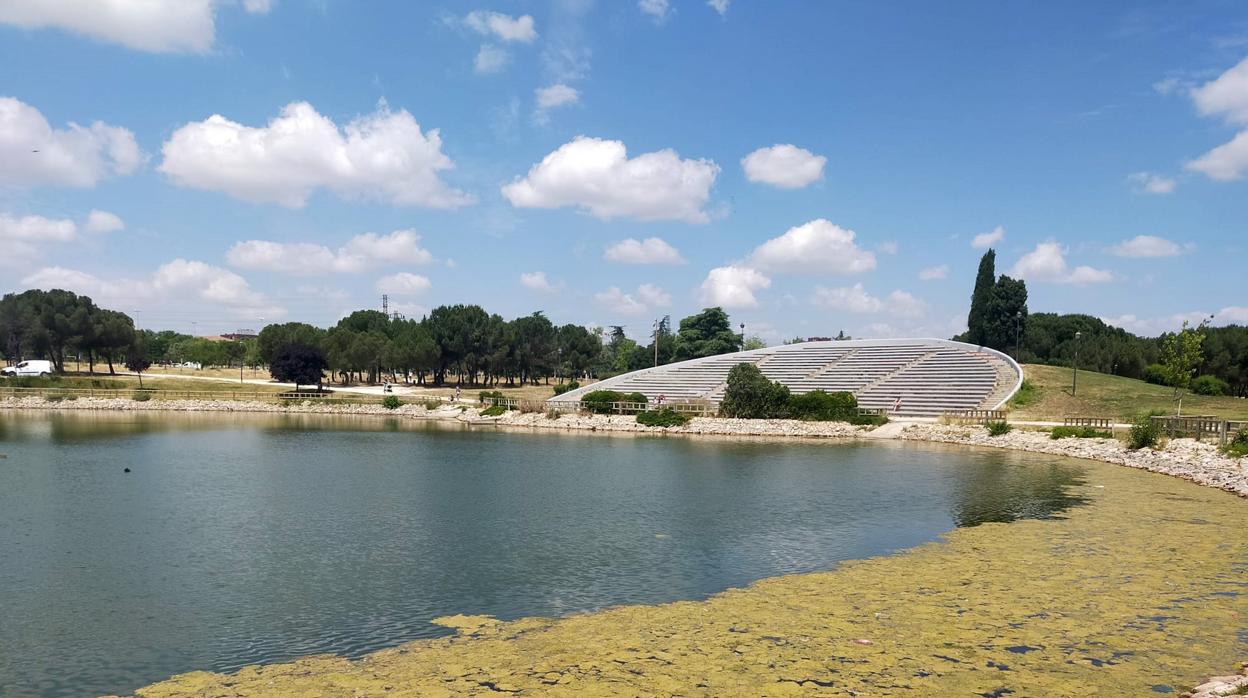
(246, 539)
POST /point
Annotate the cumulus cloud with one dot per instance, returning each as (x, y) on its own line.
(657, 9)
(361, 253)
(1048, 263)
(654, 296)
(720, 6)
(1151, 183)
(103, 222)
(490, 59)
(383, 155)
(648, 251)
(537, 281)
(784, 165)
(1146, 246)
(403, 284)
(36, 229)
(817, 247)
(598, 176)
(502, 27)
(856, 299)
(616, 301)
(180, 281)
(934, 273)
(986, 240)
(1227, 97)
(33, 153)
(1153, 326)
(732, 287)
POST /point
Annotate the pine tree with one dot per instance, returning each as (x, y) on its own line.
(976, 320)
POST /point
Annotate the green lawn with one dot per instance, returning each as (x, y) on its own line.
(1101, 395)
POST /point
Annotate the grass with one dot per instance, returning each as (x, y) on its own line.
(1027, 394)
(124, 384)
(1115, 397)
(1078, 433)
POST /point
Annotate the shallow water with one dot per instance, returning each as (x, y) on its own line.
(257, 538)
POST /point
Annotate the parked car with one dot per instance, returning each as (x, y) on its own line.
(191, 364)
(36, 367)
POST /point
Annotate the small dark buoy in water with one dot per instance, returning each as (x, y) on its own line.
(126, 470)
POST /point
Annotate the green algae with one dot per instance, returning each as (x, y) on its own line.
(1143, 589)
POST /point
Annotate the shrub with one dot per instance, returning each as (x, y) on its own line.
(433, 404)
(822, 406)
(1078, 433)
(662, 417)
(485, 395)
(141, 396)
(391, 402)
(1144, 434)
(553, 414)
(562, 388)
(751, 396)
(874, 420)
(1155, 374)
(1210, 385)
(999, 428)
(1238, 446)
(493, 411)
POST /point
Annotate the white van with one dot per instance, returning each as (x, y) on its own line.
(28, 368)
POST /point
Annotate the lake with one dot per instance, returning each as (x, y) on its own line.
(246, 539)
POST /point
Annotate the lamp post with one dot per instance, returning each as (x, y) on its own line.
(1018, 324)
(743, 336)
(1074, 383)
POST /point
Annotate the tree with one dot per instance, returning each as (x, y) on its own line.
(985, 280)
(754, 342)
(136, 356)
(1005, 314)
(298, 363)
(706, 334)
(1181, 355)
(750, 395)
(274, 337)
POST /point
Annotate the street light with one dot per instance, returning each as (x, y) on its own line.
(743, 336)
(1018, 323)
(1074, 383)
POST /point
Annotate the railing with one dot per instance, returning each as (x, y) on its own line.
(162, 394)
(700, 409)
(1198, 427)
(1097, 422)
(975, 416)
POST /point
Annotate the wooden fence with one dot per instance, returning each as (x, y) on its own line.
(1199, 427)
(1096, 422)
(975, 416)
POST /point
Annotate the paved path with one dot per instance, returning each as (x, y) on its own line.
(359, 389)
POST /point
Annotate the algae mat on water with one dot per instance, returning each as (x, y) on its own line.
(1143, 591)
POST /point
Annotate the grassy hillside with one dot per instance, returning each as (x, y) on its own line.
(1102, 395)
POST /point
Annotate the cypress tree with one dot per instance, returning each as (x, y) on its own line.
(976, 320)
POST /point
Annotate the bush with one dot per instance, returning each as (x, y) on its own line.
(1238, 446)
(493, 411)
(485, 395)
(1210, 385)
(1078, 433)
(1144, 434)
(391, 402)
(553, 414)
(599, 401)
(562, 388)
(751, 396)
(874, 420)
(1155, 374)
(822, 406)
(1000, 428)
(663, 417)
(141, 396)
(433, 404)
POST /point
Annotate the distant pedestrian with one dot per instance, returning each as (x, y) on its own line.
(457, 393)
(897, 405)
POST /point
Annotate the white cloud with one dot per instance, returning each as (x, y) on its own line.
(1225, 96)
(1232, 314)
(616, 301)
(732, 287)
(1226, 162)
(1151, 183)
(855, 299)
(648, 251)
(720, 6)
(654, 296)
(32, 153)
(934, 273)
(1048, 263)
(490, 59)
(1146, 246)
(383, 155)
(556, 95)
(361, 253)
(36, 229)
(784, 165)
(1151, 327)
(103, 222)
(817, 247)
(258, 7)
(657, 9)
(503, 27)
(537, 281)
(159, 26)
(403, 284)
(597, 175)
(985, 240)
(1167, 86)
(889, 247)
(181, 283)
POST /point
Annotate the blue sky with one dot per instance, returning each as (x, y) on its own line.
(293, 159)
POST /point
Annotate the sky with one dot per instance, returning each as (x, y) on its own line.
(213, 165)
